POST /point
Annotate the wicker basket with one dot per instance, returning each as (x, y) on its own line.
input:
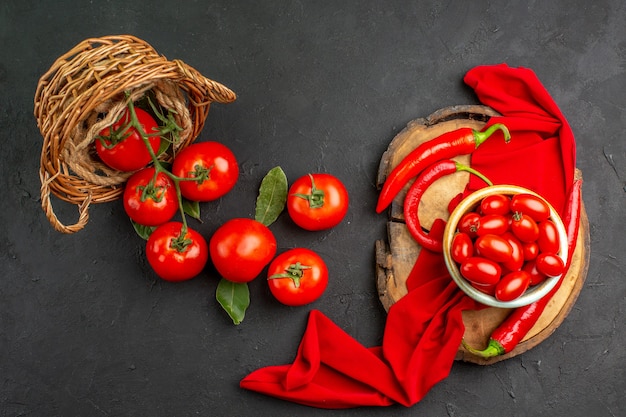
(84, 91)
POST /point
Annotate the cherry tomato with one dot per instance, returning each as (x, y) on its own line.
(550, 264)
(175, 258)
(531, 250)
(469, 223)
(148, 200)
(524, 227)
(213, 166)
(536, 276)
(531, 205)
(297, 277)
(548, 239)
(512, 285)
(480, 270)
(462, 247)
(495, 204)
(124, 149)
(317, 201)
(494, 247)
(495, 224)
(486, 289)
(517, 255)
(241, 248)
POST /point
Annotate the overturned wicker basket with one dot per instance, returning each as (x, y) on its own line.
(83, 92)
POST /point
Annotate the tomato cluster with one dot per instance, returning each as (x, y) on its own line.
(507, 244)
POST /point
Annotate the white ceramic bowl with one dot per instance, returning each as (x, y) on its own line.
(468, 204)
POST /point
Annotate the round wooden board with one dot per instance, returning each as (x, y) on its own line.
(396, 256)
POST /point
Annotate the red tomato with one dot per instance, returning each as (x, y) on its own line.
(213, 166)
(175, 258)
(517, 255)
(241, 248)
(495, 204)
(297, 277)
(149, 201)
(462, 247)
(124, 149)
(531, 205)
(480, 270)
(548, 239)
(512, 285)
(486, 289)
(494, 247)
(531, 250)
(524, 227)
(495, 224)
(469, 223)
(536, 276)
(317, 201)
(550, 264)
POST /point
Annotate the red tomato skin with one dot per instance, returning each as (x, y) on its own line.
(131, 153)
(170, 264)
(481, 271)
(330, 214)
(218, 159)
(548, 239)
(495, 224)
(530, 205)
(536, 277)
(517, 254)
(550, 264)
(512, 286)
(493, 247)
(469, 224)
(241, 248)
(150, 212)
(524, 228)
(312, 284)
(531, 250)
(495, 204)
(462, 247)
(486, 289)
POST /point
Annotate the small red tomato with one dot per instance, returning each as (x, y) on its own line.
(495, 224)
(531, 250)
(550, 264)
(174, 257)
(481, 270)
(548, 239)
(531, 205)
(536, 276)
(495, 204)
(297, 277)
(124, 149)
(317, 201)
(462, 247)
(486, 289)
(213, 166)
(517, 255)
(469, 223)
(524, 227)
(493, 247)
(512, 285)
(241, 248)
(150, 200)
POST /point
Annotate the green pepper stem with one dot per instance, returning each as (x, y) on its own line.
(461, 167)
(480, 137)
(494, 348)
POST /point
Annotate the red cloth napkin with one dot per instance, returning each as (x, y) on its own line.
(424, 329)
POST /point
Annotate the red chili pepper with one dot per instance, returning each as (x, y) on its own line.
(522, 319)
(457, 142)
(415, 193)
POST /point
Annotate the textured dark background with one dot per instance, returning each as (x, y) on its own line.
(87, 330)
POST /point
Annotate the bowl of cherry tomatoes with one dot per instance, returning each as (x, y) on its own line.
(505, 246)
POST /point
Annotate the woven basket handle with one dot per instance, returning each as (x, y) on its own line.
(200, 86)
(46, 204)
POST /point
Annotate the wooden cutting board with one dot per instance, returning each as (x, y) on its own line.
(396, 255)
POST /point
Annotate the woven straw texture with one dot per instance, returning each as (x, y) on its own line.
(84, 92)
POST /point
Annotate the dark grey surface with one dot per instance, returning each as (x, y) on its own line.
(87, 330)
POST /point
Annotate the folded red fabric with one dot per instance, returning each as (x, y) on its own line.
(424, 329)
